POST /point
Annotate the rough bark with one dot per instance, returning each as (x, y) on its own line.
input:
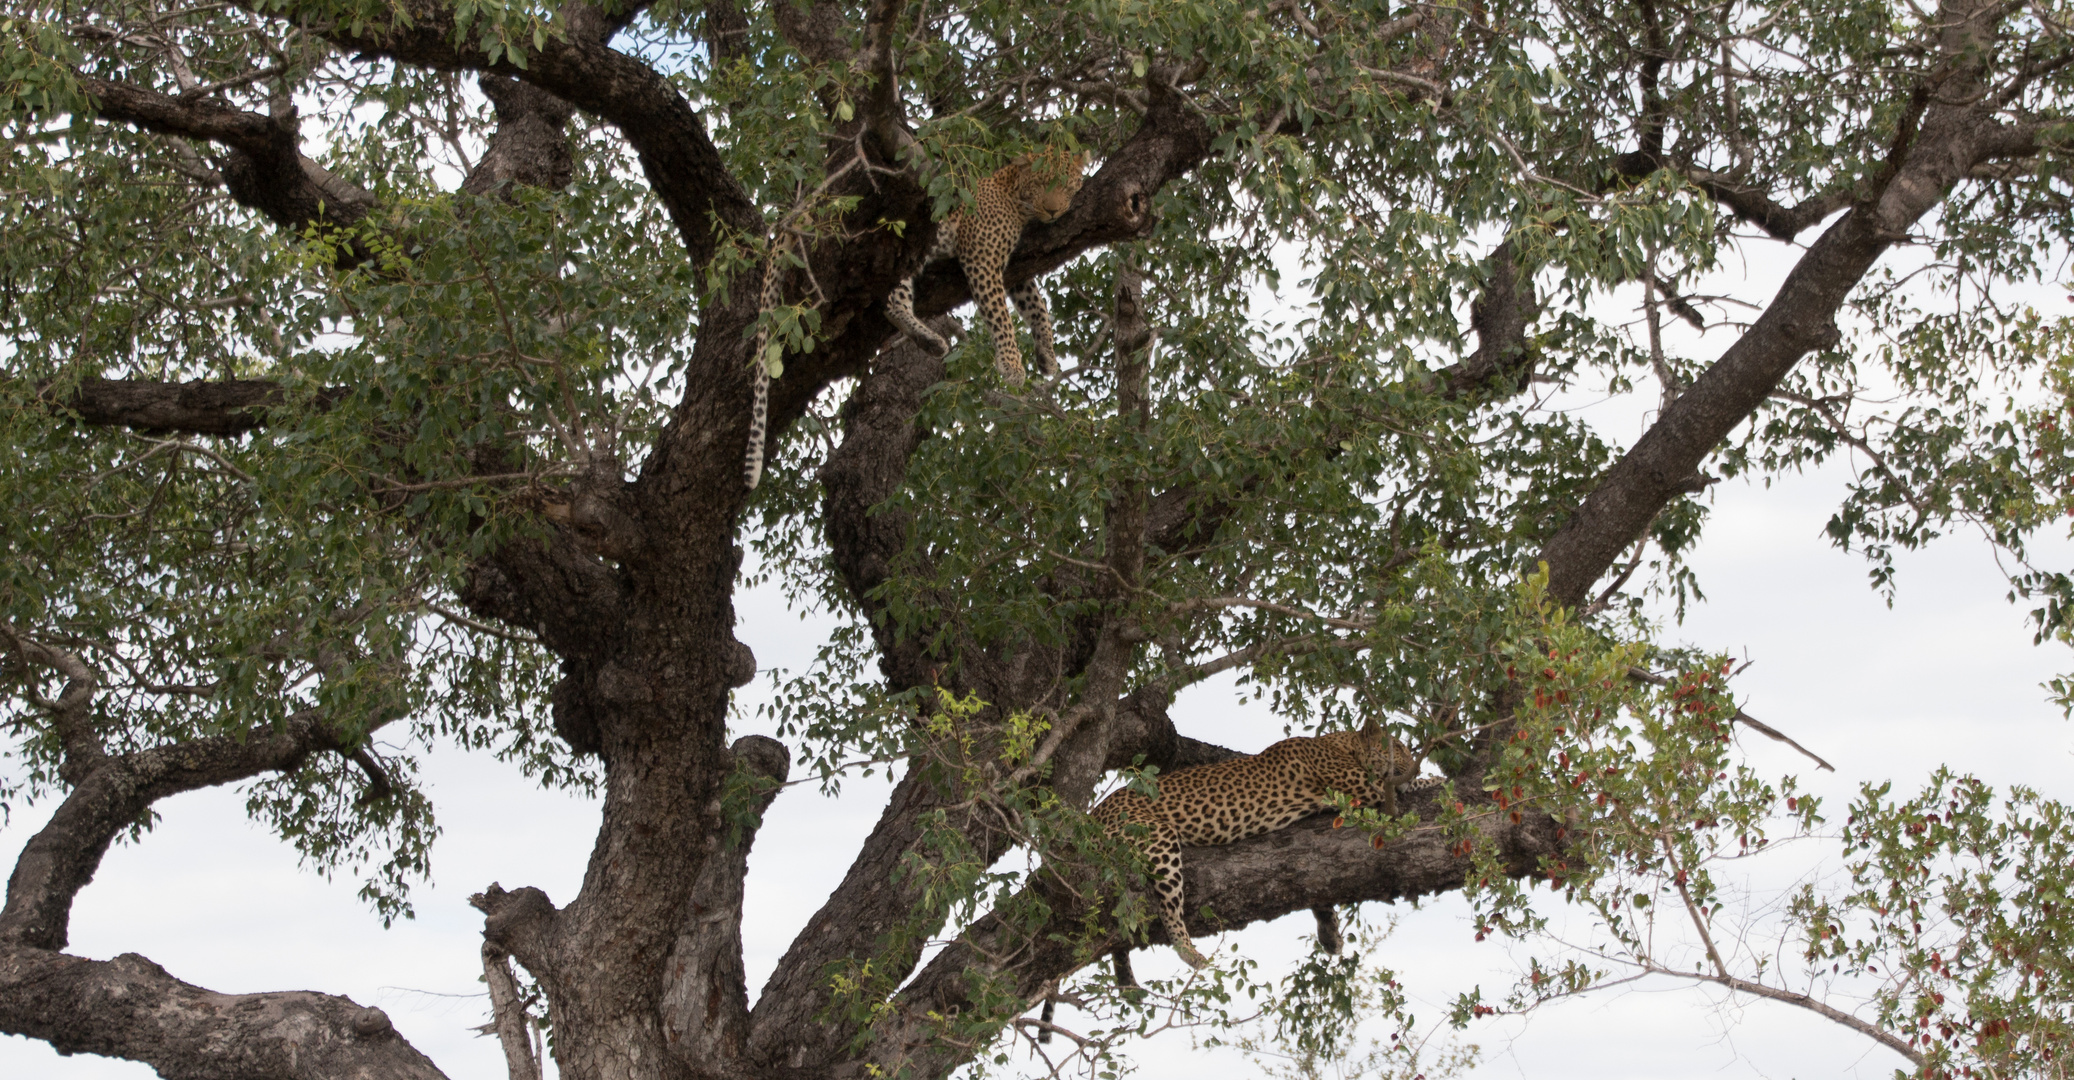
(529, 148)
(508, 1015)
(706, 1004)
(129, 1007)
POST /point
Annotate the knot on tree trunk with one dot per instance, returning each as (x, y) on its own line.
(370, 1022)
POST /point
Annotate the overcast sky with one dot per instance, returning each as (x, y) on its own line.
(1947, 676)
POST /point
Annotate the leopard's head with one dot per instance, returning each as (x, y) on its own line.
(1050, 179)
(1382, 755)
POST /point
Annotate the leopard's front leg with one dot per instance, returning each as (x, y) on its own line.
(983, 270)
(1163, 855)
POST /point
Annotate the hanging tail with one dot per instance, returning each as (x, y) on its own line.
(760, 377)
(759, 416)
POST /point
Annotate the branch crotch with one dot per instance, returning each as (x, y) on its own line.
(705, 1007)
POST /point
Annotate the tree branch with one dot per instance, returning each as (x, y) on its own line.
(1308, 865)
(131, 1008)
(69, 714)
(508, 1015)
(1800, 320)
(1742, 718)
(705, 1005)
(196, 407)
(60, 859)
(682, 164)
(1502, 362)
(529, 148)
(1820, 1008)
(819, 30)
(265, 169)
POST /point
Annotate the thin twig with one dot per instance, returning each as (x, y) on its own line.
(1214, 602)
(479, 626)
(1741, 717)
(1872, 1031)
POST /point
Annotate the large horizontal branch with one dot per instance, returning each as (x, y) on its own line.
(265, 169)
(131, 1008)
(1308, 865)
(196, 407)
(682, 164)
(61, 858)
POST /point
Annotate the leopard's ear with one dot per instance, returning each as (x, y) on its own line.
(1370, 730)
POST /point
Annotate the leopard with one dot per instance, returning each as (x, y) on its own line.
(1035, 187)
(1227, 801)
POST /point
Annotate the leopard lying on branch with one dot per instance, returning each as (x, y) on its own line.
(1228, 801)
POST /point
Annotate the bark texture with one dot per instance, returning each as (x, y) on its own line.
(129, 1007)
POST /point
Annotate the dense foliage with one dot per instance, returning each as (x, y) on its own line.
(385, 366)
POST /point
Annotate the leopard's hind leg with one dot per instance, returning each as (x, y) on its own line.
(1329, 940)
(1029, 299)
(1120, 965)
(900, 303)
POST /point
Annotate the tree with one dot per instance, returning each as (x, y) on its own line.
(359, 383)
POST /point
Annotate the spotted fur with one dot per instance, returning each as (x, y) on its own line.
(760, 372)
(1228, 801)
(1035, 188)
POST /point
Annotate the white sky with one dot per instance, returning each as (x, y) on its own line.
(1947, 676)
